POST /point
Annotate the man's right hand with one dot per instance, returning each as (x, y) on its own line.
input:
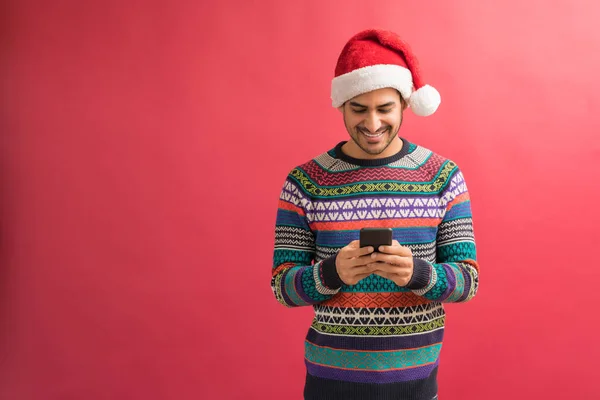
(352, 263)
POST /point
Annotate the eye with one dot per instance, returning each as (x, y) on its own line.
(387, 110)
(362, 110)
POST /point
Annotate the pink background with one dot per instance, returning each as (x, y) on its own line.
(144, 146)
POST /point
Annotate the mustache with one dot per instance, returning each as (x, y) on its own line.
(380, 130)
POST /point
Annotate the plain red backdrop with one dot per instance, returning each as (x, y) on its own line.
(144, 145)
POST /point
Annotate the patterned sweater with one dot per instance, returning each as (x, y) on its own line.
(375, 339)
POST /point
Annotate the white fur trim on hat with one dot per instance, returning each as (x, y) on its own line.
(367, 79)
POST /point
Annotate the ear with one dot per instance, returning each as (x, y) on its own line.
(403, 102)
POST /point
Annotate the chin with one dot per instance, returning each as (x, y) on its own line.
(374, 148)
(375, 152)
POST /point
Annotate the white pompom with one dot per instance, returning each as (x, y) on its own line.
(424, 101)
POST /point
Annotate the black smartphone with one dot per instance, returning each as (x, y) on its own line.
(375, 237)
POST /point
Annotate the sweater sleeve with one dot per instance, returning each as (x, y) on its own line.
(454, 277)
(296, 279)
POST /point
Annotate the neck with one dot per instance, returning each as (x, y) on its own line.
(353, 150)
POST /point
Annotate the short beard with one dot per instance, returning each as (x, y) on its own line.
(391, 138)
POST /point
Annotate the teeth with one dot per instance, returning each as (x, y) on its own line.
(373, 136)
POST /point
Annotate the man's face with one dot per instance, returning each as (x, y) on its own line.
(373, 119)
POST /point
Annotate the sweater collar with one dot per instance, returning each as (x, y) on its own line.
(368, 162)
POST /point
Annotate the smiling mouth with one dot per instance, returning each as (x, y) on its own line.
(371, 135)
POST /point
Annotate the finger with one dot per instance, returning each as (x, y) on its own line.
(393, 271)
(363, 269)
(348, 251)
(364, 250)
(389, 258)
(391, 275)
(361, 251)
(362, 260)
(381, 266)
(354, 244)
(375, 266)
(384, 274)
(396, 249)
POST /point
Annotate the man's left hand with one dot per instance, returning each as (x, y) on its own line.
(393, 262)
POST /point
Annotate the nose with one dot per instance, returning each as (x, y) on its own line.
(372, 123)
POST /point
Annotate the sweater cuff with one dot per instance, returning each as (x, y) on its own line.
(329, 274)
(421, 274)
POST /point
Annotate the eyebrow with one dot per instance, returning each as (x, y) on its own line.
(355, 104)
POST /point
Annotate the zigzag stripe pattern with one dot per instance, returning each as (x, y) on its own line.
(416, 157)
(456, 187)
(375, 202)
(293, 195)
(323, 205)
(375, 300)
(296, 238)
(378, 316)
(326, 252)
(322, 177)
(374, 186)
(371, 330)
(426, 251)
(456, 231)
(375, 208)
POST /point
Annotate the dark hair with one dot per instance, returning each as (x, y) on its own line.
(403, 102)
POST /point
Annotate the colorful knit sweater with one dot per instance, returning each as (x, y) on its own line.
(375, 339)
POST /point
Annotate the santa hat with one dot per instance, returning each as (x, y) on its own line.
(375, 59)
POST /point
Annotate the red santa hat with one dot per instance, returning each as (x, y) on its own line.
(375, 59)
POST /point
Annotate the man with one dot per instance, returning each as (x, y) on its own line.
(379, 315)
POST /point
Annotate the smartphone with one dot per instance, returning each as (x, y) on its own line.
(375, 237)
